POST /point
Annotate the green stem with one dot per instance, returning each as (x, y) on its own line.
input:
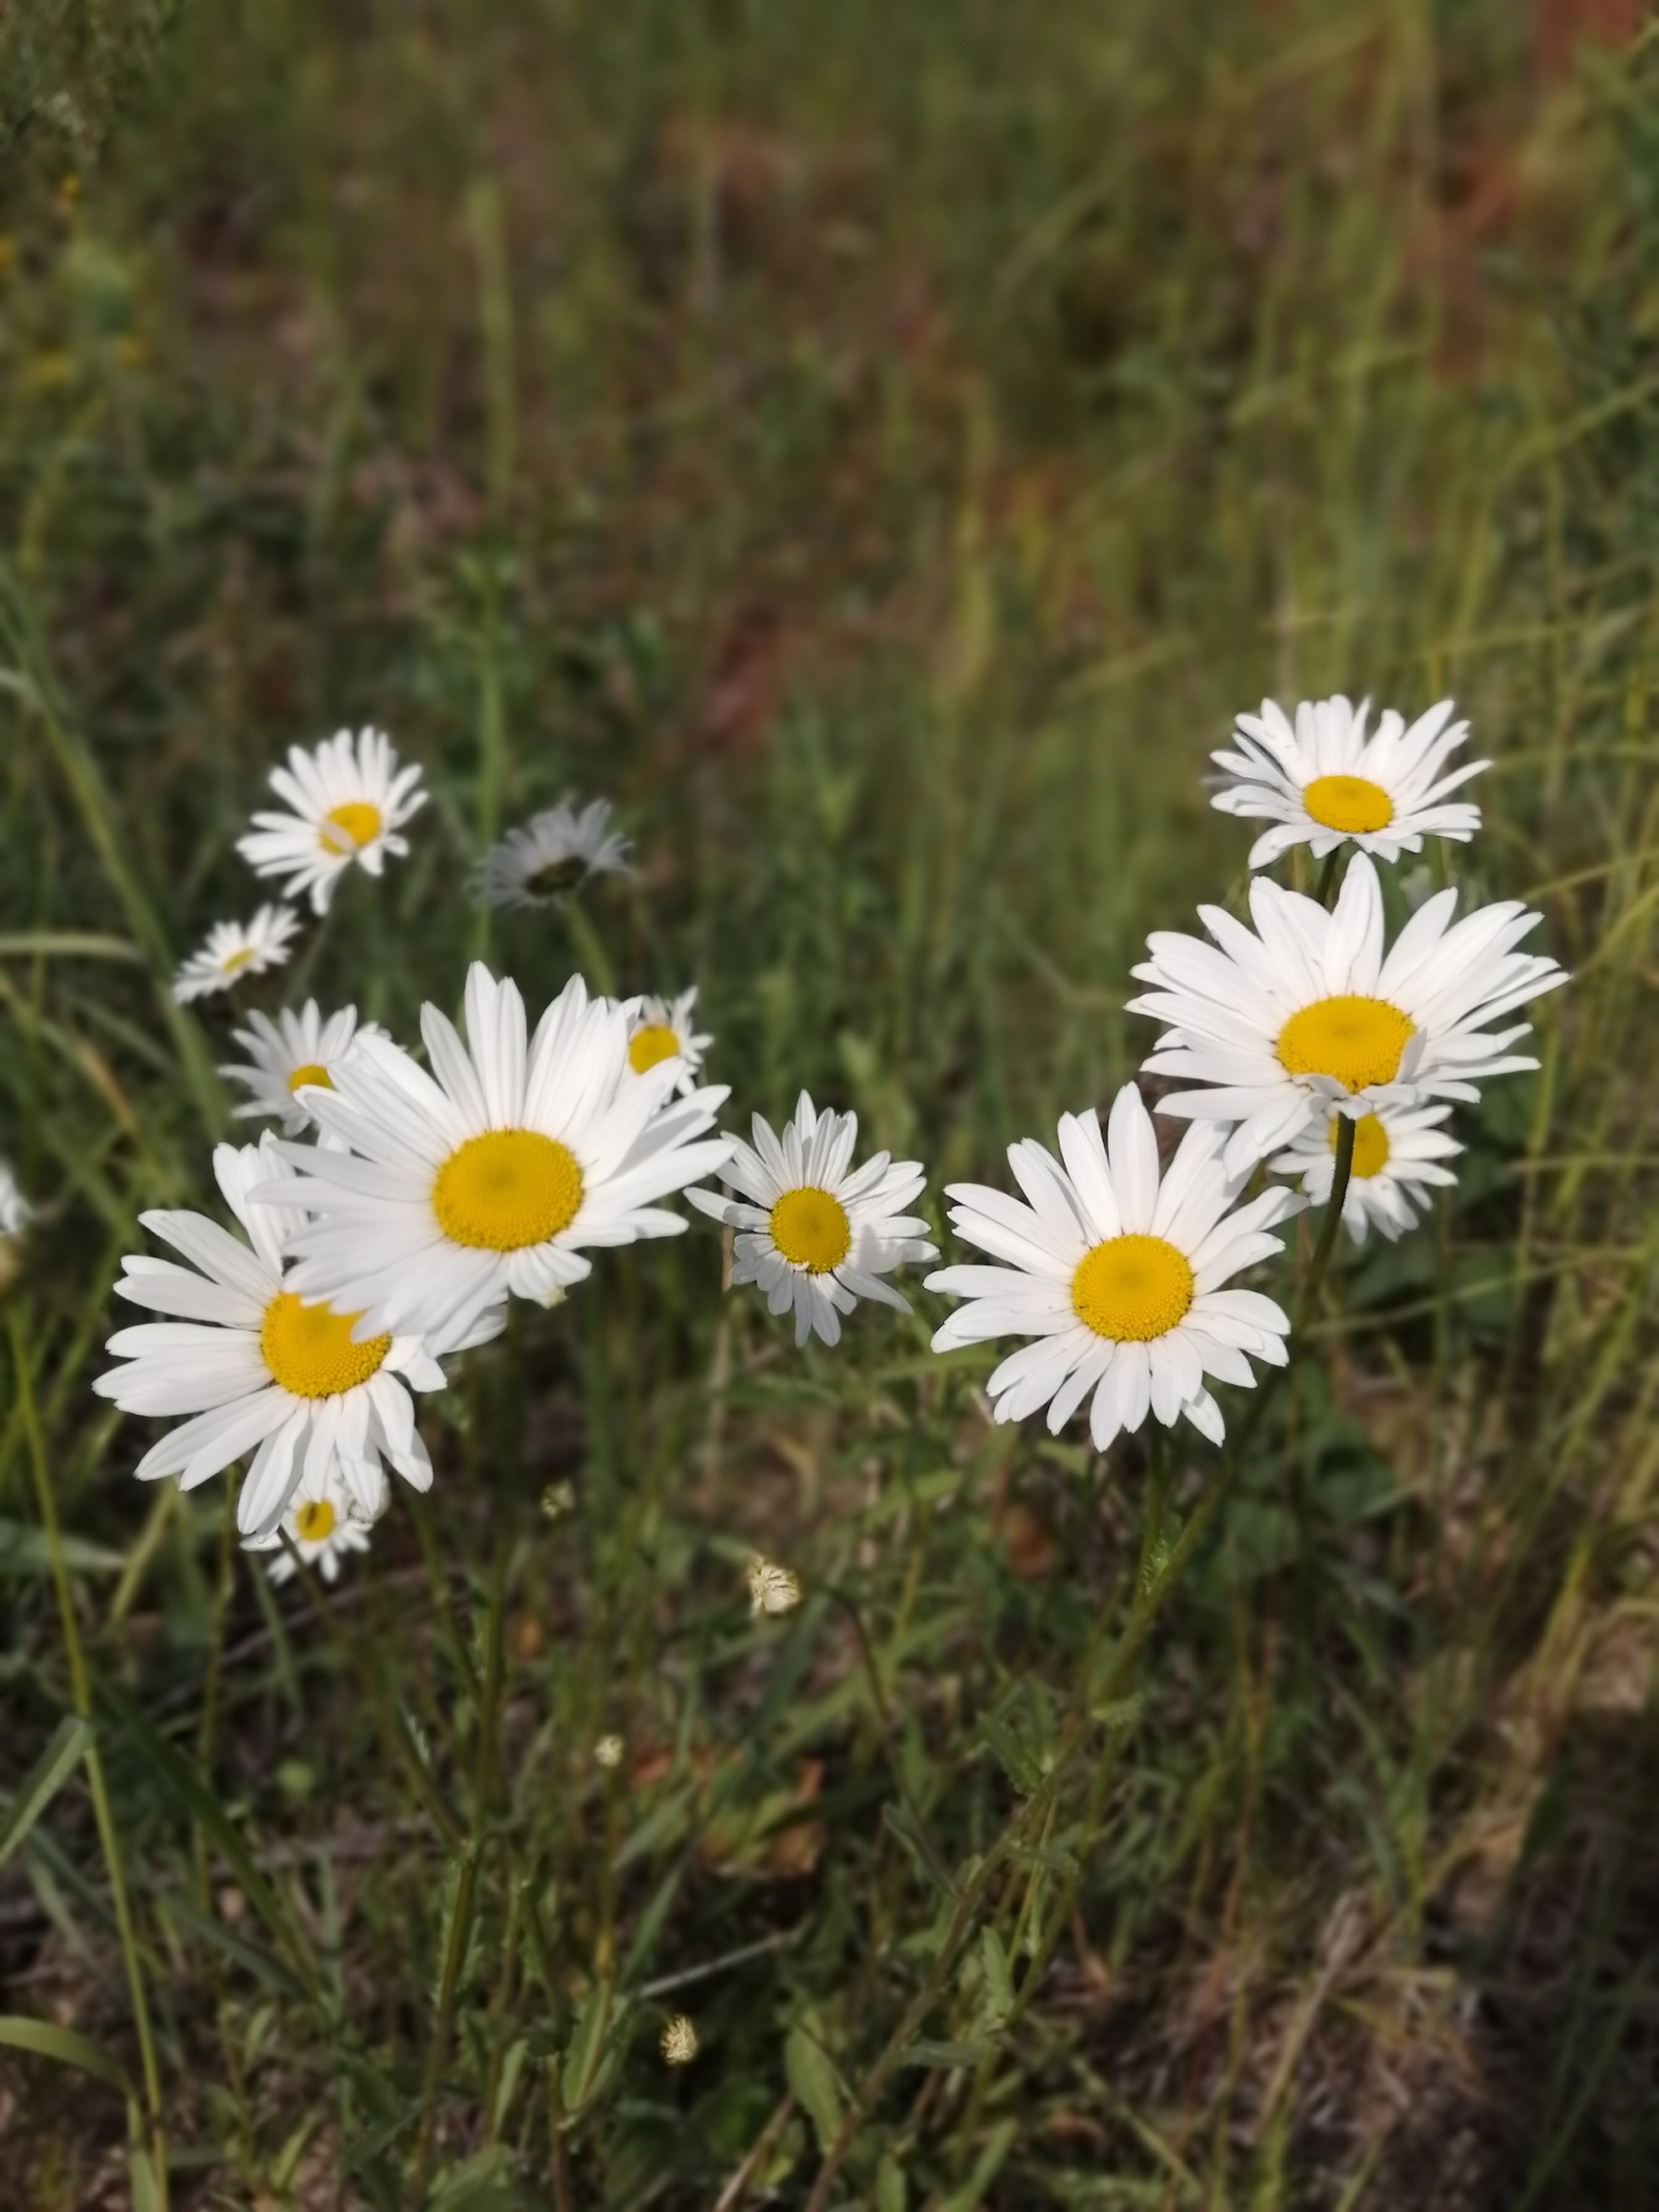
(1327, 875)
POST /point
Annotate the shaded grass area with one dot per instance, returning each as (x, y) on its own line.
(881, 449)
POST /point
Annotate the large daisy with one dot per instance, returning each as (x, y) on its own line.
(813, 1231)
(258, 1369)
(555, 852)
(493, 1173)
(1117, 1275)
(324, 1529)
(1324, 780)
(236, 949)
(349, 801)
(287, 1055)
(662, 1029)
(1398, 1154)
(1308, 1012)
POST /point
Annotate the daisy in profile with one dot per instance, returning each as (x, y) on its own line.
(660, 1030)
(256, 1370)
(1117, 1276)
(1398, 1154)
(348, 800)
(494, 1172)
(555, 852)
(287, 1054)
(1325, 779)
(15, 1212)
(1309, 1011)
(325, 1530)
(814, 1232)
(236, 949)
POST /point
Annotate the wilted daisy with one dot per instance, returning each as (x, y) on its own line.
(814, 1233)
(1308, 1012)
(771, 1588)
(236, 949)
(553, 853)
(1398, 1152)
(660, 1030)
(15, 1212)
(287, 1054)
(1117, 1275)
(349, 800)
(1325, 779)
(679, 2041)
(494, 1176)
(323, 1530)
(259, 1370)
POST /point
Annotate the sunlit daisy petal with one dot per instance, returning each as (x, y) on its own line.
(236, 949)
(1313, 1011)
(1399, 1156)
(555, 852)
(288, 1055)
(1323, 781)
(347, 799)
(819, 1234)
(662, 1029)
(1118, 1277)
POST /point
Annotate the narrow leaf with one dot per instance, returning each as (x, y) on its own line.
(807, 2069)
(44, 1780)
(47, 2040)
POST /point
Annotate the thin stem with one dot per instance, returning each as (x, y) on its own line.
(1327, 875)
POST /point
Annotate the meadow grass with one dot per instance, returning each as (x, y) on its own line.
(881, 449)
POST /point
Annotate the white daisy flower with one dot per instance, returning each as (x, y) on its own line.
(15, 1212)
(1118, 1276)
(323, 1530)
(349, 801)
(660, 1030)
(1325, 779)
(814, 1235)
(493, 1177)
(236, 949)
(1306, 1012)
(1397, 1156)
(553, 853)
(259, 1370)
(287, 1054)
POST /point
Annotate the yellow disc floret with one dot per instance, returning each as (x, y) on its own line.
(312, 1071)
(234, 962)
(1370, 1145)
(314, 1521)
(650, 1046)
(1131, 1289)
(1356, 1041)
(348, 827)
(1352, 803)
(506, 1190)
(811, 1229)
(309, 1350)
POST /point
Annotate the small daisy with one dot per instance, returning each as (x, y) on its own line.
(1306, 1012)
(323, 1530)
(493, 1177)
(350, 798)
(260, 1372)
(288, 1054)
(659, 1029)
(1397, 1155)
(813, 1235)
(553, 853)
(679, 2041)
(1117, 1275)
(15, 1212)
(234, 950)
(771, 1588)
(1325, 779)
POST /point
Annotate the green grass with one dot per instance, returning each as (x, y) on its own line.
(880, 449)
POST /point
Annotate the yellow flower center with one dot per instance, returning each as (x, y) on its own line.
(1353, 804)
(1131, 1289)
(347, 829)
(312, 1072)
(309, 1350)
(506, 1190)
(1370, 1145)
(811, 1229)
(650, 1046)
(314, 1521)
(1355, 1039)
(234, 962)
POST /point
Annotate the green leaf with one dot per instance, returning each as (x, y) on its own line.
(1017, 1760)
(47, 2040)
(24, 1550)
(972, 2193)
(584, 2061)
(924, 2052)
(146, 2190)
(908, 1828)
(998, 1998)
(809, 2073)
(891, 2192)
(44, 1780)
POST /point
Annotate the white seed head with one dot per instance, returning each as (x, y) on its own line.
(679, 2041)
(608, 1752)
(771, 1588)
(558, 1499)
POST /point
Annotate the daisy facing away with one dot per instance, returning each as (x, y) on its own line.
(236, 949)
(256, 1370)
(815, 1233)
(555, 852)
(492, 1174)
(1398, 1155)
(1308, 1012)
(1118, 1276)
(660, 1030)
(287, 1055)
(348, 800)
(1324, 780)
